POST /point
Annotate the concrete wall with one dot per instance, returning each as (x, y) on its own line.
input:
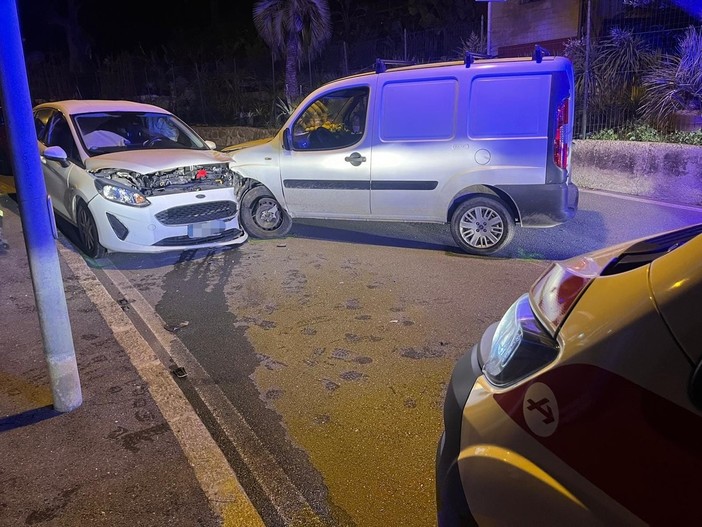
(664, 171)
(668, 172)
(539, 21)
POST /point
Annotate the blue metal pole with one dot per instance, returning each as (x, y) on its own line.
(37, 219)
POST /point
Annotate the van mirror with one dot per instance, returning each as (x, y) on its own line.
(287, 139)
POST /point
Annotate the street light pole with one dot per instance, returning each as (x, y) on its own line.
(586, 80)
(37, 220)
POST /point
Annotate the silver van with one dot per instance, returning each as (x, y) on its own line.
(482, 144)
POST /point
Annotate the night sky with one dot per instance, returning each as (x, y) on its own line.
(131, 24)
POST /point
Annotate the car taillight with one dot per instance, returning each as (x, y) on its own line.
(556, 291)
(560, 139)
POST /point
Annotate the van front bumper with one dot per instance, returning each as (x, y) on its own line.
(451, 505)
(544, 205)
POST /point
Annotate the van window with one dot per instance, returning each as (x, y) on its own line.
(515, 106)
(418, 110)
(334, 120)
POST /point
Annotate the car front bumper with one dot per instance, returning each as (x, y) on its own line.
(451, 505)
(204, 219)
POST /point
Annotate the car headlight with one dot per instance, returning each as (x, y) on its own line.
(121, 194)
(520, 346)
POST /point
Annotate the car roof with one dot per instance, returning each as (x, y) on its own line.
(74, 106)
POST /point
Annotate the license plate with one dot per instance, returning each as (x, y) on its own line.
(206, 229)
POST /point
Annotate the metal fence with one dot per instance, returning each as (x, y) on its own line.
(630, 55)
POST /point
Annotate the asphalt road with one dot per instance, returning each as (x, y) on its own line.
(334, 346)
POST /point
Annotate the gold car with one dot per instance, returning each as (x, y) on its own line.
(582, 405)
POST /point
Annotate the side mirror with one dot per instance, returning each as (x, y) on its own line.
(58, 154)
(211, 144)
(287, 139)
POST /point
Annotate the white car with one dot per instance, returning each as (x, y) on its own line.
(134, 178)
(583, 405)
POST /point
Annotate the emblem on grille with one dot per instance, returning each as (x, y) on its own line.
(199, 196)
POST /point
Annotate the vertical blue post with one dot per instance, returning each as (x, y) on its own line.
(36, 219)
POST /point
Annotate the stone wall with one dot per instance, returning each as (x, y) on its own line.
(232, 135)
(664, 171)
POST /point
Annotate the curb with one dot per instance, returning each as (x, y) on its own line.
(224, 493)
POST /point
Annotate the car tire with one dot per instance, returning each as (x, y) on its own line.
(88, 233)
(482, 225)
(262, 216)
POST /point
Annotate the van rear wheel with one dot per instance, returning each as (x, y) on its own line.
(262, 216)
(482, 226)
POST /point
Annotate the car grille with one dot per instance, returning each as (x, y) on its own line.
(199, 212)
(177, 241)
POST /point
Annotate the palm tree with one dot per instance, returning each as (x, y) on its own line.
(293, 29)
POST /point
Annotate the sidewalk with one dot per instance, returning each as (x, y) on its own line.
(134, 453)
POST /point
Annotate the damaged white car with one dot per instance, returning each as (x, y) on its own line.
(133, 177)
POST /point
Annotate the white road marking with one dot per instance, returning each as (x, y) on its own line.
(287, 499)
(216, 477)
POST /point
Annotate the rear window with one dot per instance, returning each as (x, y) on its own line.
(509, 106)
(418, 110)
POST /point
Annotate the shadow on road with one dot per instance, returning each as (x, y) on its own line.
(405, 235)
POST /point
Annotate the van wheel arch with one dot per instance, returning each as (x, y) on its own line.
(261, 214)
(486, 191)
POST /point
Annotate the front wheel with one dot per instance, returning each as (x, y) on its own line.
(88, 233)
(482, 226)
(262, 216)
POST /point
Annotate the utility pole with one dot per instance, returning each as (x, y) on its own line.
(586, 80)
(37, 217)
(489, 23)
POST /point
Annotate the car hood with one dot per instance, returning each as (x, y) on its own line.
(148, 161)
(247, 144)
(676, 285)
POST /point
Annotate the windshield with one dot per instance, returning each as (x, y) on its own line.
(104, 132)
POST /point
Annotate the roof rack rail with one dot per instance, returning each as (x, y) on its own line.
(381, 65)
(470, 57)
(539, 54)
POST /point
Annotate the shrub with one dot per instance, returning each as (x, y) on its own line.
(675, 82)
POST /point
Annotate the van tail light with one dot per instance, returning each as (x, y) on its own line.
(561, 147)
(557, 290)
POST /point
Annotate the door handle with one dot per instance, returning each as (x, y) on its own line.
(355, 159)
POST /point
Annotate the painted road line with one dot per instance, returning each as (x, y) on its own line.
(215, 476)
(286, 498)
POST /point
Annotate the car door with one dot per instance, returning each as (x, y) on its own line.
(56, 132)
(326, 170)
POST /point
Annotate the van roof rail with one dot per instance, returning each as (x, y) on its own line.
(470, 57)
(381, 65)
(539, 54)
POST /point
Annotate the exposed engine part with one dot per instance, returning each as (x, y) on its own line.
(182, 179)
